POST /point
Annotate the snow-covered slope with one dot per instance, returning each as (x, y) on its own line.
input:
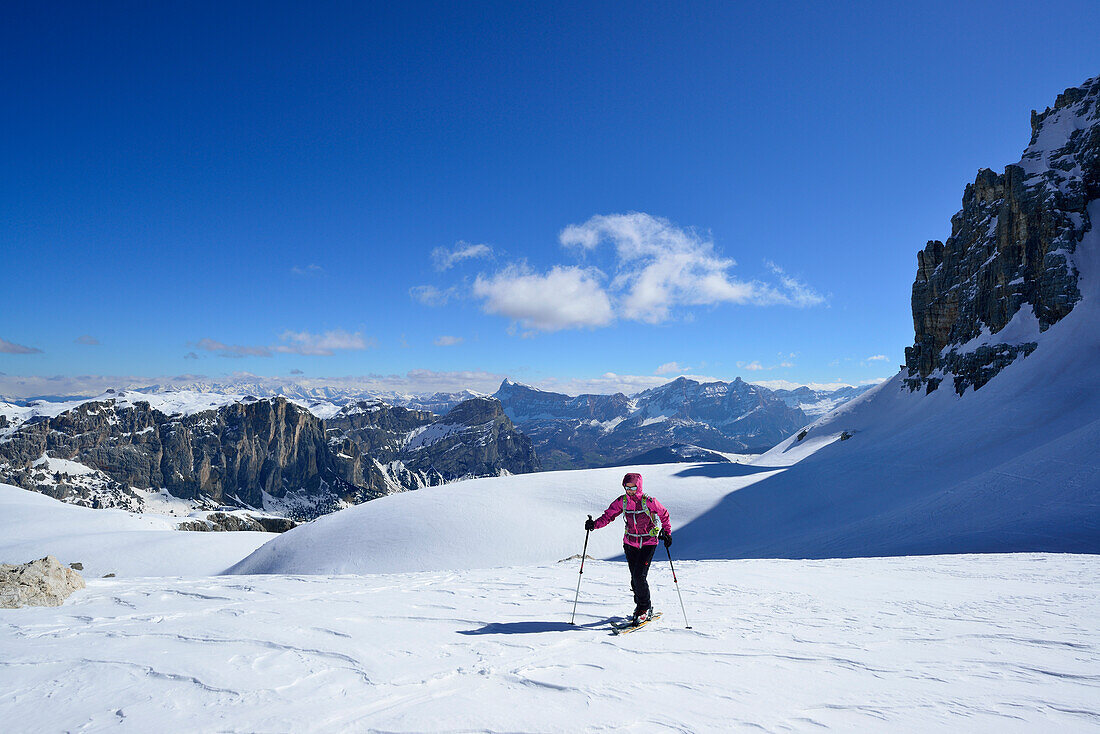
(483, 523)
(112, 541)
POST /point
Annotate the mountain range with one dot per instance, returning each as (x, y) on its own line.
(270, 454)
(601, 430)
(299, 453)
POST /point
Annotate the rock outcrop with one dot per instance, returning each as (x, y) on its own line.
(41, 583)
(1009, 259)
(476, 436)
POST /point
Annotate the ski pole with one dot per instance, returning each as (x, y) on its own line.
(677, 583)
(583, 554)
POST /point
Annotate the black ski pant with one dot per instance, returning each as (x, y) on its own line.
(638, 560)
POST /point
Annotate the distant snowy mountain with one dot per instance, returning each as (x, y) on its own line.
(322, 399)
(818, 402)
(598, 430)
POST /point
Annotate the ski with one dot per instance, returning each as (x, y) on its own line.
(622, 629)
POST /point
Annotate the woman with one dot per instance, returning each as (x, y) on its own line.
(640, 539)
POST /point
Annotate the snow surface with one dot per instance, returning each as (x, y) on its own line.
(997, 644)
(497, 521)
(33, 525)
(1022, 328)
(63, 466)
(425, 436)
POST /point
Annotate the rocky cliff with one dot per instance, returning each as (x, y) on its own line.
(1007, 271)
(260, 453)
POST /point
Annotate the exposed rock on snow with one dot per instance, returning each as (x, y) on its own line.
(41, 583)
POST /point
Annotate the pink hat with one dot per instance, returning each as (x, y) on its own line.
(633, 477)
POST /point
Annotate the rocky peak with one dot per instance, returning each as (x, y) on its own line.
(475, 411)
(1010, 256)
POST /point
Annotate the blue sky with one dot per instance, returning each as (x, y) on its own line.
(587, 196)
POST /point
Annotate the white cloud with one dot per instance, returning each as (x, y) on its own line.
(796, 293)
(877, 358)
(310, 269)
(293, 342)
(448, 341)
(235, 351)
(429, 295)
(657, 268)
(669, 368)
(303, 342)
(7, 347)
(756, 366)
(661, 266)
(445, 258)
(86, 339)
(564, 298)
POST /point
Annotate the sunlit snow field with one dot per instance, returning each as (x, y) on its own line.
(949, 643)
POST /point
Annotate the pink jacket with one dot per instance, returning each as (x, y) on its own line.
(639, 523)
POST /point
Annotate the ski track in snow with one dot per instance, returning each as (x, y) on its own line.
(977, 643)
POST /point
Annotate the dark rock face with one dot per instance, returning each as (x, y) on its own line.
(601, 430)
(257, 452)
(1011, 248)
(229, 456)
(476, 436)
(409, 449)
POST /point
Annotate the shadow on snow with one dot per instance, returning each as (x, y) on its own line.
(528, 628)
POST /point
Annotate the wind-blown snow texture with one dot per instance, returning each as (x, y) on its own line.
(964, 643)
